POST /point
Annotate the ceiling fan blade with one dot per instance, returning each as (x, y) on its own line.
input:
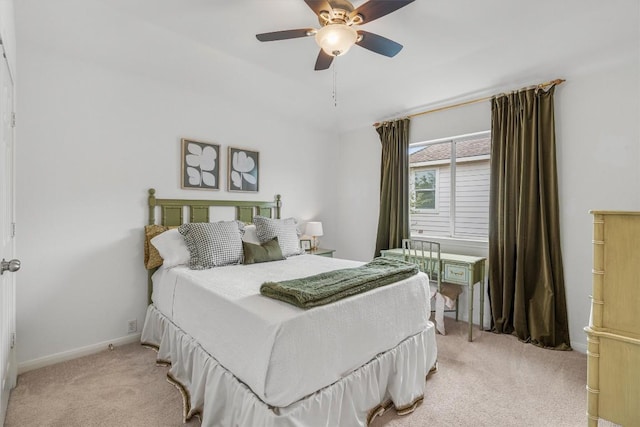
(374, 9)
(324, 61)
(318, 5)
(287, 34)
(378, 44)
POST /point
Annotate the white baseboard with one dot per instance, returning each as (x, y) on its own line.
(52, 359)
(580, 347)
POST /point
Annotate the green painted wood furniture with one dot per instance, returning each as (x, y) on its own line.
(322, 252)
(175, 211)
(459, 269)
(172, 211)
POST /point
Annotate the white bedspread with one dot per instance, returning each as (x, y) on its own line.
(282, 352)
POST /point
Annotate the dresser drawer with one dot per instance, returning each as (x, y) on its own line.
(455, 273)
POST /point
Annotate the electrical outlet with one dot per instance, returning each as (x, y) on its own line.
(132, 326)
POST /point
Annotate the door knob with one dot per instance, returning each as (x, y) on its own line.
(13, 265)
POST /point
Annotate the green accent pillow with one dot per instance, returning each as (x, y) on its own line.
(268, 251)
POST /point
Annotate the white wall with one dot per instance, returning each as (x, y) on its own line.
(598, 148)
(8, 33)
(91, 141)
(598, 135)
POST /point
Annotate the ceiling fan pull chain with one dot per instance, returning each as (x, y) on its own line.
(335, 85)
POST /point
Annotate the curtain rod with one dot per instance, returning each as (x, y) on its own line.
(475, 101)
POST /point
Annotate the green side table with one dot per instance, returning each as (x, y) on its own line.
(322, 252)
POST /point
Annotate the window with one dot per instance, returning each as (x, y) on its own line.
(449, 184)
(424, 184)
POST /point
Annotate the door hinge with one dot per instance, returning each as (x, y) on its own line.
(13, 339)
(13, 229)
(13, 120)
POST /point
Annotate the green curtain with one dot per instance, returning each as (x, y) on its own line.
(526, 279)
(393, 221)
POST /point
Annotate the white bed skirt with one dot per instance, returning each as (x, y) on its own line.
(395, 377)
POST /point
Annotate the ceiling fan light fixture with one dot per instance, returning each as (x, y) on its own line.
(336, 39)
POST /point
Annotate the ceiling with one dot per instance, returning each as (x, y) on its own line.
(453, 49)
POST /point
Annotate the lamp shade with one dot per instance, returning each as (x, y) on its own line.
(314, 228)
(336, 39)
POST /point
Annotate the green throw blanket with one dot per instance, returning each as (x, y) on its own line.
(331, 286)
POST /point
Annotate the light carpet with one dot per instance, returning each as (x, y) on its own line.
(493, 381)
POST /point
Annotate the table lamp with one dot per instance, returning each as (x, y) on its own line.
(314, 229)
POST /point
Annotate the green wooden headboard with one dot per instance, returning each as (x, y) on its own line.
(172, 212)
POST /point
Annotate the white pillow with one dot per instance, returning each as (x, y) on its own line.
(250, 234)
(172, 248)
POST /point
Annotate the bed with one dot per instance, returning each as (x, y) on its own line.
(240, 358)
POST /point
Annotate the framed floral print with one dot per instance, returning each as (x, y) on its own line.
(200, 165)
(243, 170)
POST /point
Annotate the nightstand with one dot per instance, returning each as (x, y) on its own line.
(322, 252)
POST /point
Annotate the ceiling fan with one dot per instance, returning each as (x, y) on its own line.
(337, 34)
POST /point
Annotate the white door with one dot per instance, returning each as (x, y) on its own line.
(8, 368)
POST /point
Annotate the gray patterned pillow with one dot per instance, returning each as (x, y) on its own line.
(212, 244)
(284, 229)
